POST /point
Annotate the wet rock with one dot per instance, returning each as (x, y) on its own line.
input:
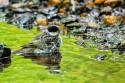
(55, 2)
(69, 19)
(78, 32)
(89, 3)
(92, 24)
(5, 55)
(121, 48)
(111, 1)
(15, 1)
(18, 10)
(2, 14)
(62, 10)
(83, 9)
(25, 21)
(50, 10)
(121, 18)
(109, 20)
(106, 9)
(30, 4)
(54, 17)
(42, 21)
(99, 1)
(94, 13)
(70, 22)
(88, 19)
(14, 6)
(4, 3)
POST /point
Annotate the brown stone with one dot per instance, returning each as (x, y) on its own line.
(30, 4)
(110, 20)
(42, 22)
(111, 1)
(14, 6)
(106, 9)
(99, 1)
(55, 2)
(61, 10)
(89, 3)
(121, 18)
(92, 24)
(83, 14)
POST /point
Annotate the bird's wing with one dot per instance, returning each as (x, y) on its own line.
(34, 43)
(29, 45)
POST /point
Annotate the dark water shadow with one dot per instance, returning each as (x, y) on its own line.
(5, 62)
(50, 60)
(5, 58)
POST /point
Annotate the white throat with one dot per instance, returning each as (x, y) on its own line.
(53, 33)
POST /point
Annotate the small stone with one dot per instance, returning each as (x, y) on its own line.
(83, 15)
(111, 1)
(14, 6)
(61, 10)
(99, 1)
(110, 20)
(89, 3)
(92, 24)
(106, 9)
(55, 2)
(30, 4)
(4, 3)
(42, 22)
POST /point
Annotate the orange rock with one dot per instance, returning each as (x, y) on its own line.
(99, 1)
(89, 3)
(110, 20)
(30, 4)
(61, 10)
(55, 2)
(42, 22)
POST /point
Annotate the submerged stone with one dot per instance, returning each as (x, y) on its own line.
(99, 57)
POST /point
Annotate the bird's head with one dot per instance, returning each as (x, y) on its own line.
(53, 30)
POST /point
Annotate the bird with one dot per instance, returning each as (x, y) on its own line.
(45, 48)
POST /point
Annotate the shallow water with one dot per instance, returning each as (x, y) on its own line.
(5, 62)
(2, 66)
